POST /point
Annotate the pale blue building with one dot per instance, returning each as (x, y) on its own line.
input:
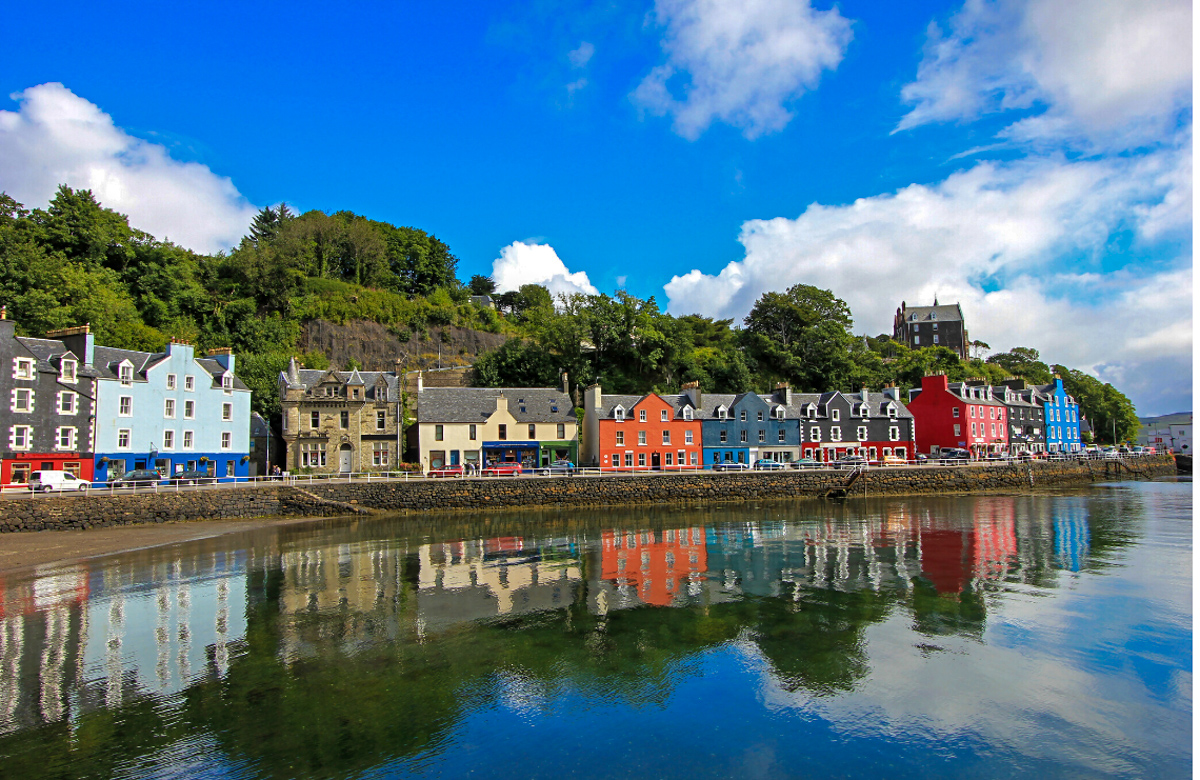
(169, 411)
(1061, 418)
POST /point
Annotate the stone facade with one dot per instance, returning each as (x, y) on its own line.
(918, 327)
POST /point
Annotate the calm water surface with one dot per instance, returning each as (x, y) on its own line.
(979, 637)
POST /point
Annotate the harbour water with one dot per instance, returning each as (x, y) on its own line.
(1044, 635)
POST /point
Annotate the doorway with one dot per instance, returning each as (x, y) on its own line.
(345, 459)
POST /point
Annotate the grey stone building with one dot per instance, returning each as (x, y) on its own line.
(931, 326)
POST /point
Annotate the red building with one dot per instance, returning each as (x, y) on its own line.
(640, 433)
(659, 566)
(953, 415)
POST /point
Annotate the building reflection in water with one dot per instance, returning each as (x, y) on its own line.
(75, 638)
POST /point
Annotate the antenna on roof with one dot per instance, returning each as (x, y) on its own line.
(935, 299)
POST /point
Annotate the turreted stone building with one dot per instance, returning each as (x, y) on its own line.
(931, 326)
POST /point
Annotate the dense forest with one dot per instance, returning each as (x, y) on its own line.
(77, 262)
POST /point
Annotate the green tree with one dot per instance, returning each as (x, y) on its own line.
(517, 363)
(482, 285)
(1023, 362)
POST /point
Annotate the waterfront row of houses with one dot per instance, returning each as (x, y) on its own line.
(97, 412)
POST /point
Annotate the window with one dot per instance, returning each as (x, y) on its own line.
(935, 337)
(642, 459)
(992, 412)
(778, 413)
(439, 433)
(168, 440)
(189, 383)
(972, 411)
(65, 438)
(619, 413)
(902, 452)
(22, 399)
(629, 460)
(229, 468)
(620, 438)
(891, 411)
(974, 430)
(955, 412)
(916, 338)
(862, 433)
(993, 428)
(170, 381)
(760, 415)
(344, 419)
(380, 453)
(894, 433)
(189, 410)
(835, 433)
(670, 459)
(123, 439)
(169, 408)
(742, 415)
(641, 415)
(472, 431)
(68, 370)
(189, 439)
(721, 413)
(724, 437)
(226, 440)
(314, 420)
(560, 432)
(312, 455)
(742, 438)
(912, 317)
(125, 406)
(782, 436)
(687, 413)
(20, 437)
(688, 438)
(532, 431)
(616, 460)
(227, 382)
(126, 374)
(762, 436)
(641, 438)
(664, 416)
(67, 403)
(22, 368)
(692, 458)
(814, 433)
(503, 432)
(666, 437)
(836, 415)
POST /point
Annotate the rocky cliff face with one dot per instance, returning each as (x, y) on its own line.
(378, 348)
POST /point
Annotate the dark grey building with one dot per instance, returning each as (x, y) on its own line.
(1026, 416)
(931, 326)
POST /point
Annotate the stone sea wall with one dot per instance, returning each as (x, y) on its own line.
(273, 500)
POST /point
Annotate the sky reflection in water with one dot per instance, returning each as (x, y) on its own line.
(944, 637)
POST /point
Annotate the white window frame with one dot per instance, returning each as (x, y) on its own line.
(619, 413)
(226, 440)
(641, 415)
(835, 415)
(189, 440)
(69, 370)
(641, 438)
(20, 437)
(894, 433)
(688, 437)
(666, 437)
(189, 384)
(20, 394)
(23, 368)
(125, 406)
(70, 434)
(189, 410)
(782, 436)
(814, 433)
(620, 438)
(168, 439)
(226, 411)
(125, 373)
(169, 408)
(835, 433)
(862, 433)
(68, 395)
(687, 413)
(663, 415)
(171, 379)
(127, 435)
(227, 383)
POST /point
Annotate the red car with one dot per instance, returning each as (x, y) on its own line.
(446, 471)
(502, 470)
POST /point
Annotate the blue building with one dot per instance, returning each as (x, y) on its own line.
(1061, 418)
(745, 428)
(169, 411)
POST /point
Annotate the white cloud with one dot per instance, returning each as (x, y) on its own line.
(521, 263)
(582, 55)
(1114, 72)
(996, 238)
(57, 137)
(739, 62)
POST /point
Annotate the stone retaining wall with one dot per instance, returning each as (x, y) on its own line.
(334, 498)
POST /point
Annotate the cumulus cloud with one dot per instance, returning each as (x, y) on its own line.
(1017, 244)
(521, 263)
(739, 62)
(1115, 72)
(57, 137)
(582, 55)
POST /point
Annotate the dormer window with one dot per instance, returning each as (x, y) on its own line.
(933, 315)
(912, 317)
(126, 373)
(778, 412)
(619, 412)
(866, 411)
(68, 370)
(836, 415)
(687, 413)
(722, 413)
(891, 410)
(227, 382)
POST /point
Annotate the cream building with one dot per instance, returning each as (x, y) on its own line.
(477, 426)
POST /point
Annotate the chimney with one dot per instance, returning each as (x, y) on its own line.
(7, 326)
(935, 382)
(420, 380)
(79, 340)
(891, 391)
(865, 396)
(591, 398)
(784, 390)
(223, 355)
(692, 391)
(566, 383)
(501, 403)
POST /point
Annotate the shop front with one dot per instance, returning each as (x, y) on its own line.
(525, 453)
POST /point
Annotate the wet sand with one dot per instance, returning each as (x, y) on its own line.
(20, 551)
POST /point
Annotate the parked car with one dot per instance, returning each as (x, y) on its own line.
(850, 462)
(730, 465)
(769, 465)
(954, 454)
(893, 460)
(558, 468)
(136, 478)
(48, 480)
(446, 471)
(506, 469)
(806, 463)
(194, 477)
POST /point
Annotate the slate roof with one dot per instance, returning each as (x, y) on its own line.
(957, 388)
(476, 404)
(948, 313)
(710, 401)
(49, 354)
(308, 378)
(258, 425)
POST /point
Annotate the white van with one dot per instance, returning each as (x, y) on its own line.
(45, 481)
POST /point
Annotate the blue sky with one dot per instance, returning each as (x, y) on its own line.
(1030, 159)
